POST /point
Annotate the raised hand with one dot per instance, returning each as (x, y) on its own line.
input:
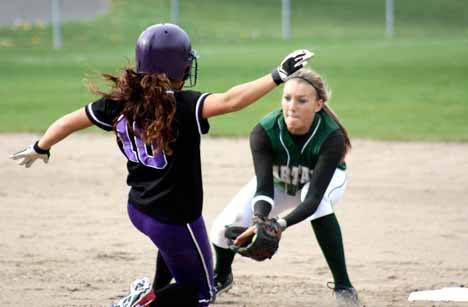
(290, 64)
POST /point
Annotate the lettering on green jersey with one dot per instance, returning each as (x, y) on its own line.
(296, 175)
(285, 174)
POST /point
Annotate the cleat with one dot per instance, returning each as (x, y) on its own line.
(222, 286)
(141, 294)
(347, 297)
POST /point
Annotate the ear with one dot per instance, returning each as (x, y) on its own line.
(318, 105)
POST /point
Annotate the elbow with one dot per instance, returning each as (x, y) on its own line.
(236, 106)
(65, 124)
(234, 103)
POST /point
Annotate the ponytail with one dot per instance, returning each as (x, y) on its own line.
(333, 115)
(148, 101)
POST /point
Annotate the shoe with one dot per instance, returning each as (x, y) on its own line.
(222, 286)
(347, 297)
(141, 294)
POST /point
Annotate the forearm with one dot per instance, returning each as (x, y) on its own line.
(313, 198)
(263, 164)
(330, 155)
(242, 95)
(237, 97)
(63, 127)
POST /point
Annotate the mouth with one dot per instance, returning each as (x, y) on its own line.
(292, 121)
(289, 115)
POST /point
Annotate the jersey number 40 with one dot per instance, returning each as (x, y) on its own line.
(135, 149)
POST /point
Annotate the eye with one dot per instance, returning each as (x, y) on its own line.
(287, 98)
(303, 101)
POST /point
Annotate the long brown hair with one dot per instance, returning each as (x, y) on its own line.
(324, 93)
(148, 101)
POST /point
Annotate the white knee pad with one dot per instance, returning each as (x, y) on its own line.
(333, 194)
(217, 234)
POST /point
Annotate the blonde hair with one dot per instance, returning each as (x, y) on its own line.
(314, 79)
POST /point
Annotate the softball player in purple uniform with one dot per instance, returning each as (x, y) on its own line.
(158, 128)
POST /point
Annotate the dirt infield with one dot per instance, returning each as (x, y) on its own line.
(66, 239)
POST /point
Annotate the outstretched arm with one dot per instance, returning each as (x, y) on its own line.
(63, 127)
(56, 132)
(240, 96)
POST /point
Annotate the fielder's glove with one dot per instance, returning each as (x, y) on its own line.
(31, 154)
(290, 64)
(262, 243)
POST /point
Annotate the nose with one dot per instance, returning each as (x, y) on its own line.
(292, 106)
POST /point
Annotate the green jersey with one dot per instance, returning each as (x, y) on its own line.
(293, 166)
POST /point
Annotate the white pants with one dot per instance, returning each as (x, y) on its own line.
(239, 211)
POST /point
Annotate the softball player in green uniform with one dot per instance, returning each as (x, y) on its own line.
(298, 154)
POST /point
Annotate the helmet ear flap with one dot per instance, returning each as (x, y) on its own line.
(187, 72)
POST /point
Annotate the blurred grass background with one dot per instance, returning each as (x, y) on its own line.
(411, 87)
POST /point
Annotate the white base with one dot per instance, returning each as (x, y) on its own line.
(451, 294)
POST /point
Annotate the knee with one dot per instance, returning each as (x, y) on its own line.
(217, 234)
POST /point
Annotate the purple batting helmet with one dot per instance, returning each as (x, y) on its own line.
(166, 48)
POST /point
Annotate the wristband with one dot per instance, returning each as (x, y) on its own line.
(282, 223)
(276, 76)
(39, 150)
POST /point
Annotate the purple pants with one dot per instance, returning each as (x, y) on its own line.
(185, 249)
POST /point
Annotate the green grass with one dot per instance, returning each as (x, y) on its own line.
(412, 87)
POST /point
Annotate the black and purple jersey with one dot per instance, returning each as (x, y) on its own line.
(166, 187)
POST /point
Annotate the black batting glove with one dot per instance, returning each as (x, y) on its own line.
(290, 64)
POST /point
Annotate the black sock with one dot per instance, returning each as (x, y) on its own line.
(163, 276)
(176, 295)
(328, 234)
(224, 259)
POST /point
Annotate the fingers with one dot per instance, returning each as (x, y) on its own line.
(24, 153)
(301, 64)
(307, 54)
(302, 54)
(302, 57)
(16, 156)
(298, 53)
(29, 163)
(245, 236)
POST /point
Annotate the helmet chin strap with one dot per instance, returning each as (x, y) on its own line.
(192, 73)
(178, 85)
